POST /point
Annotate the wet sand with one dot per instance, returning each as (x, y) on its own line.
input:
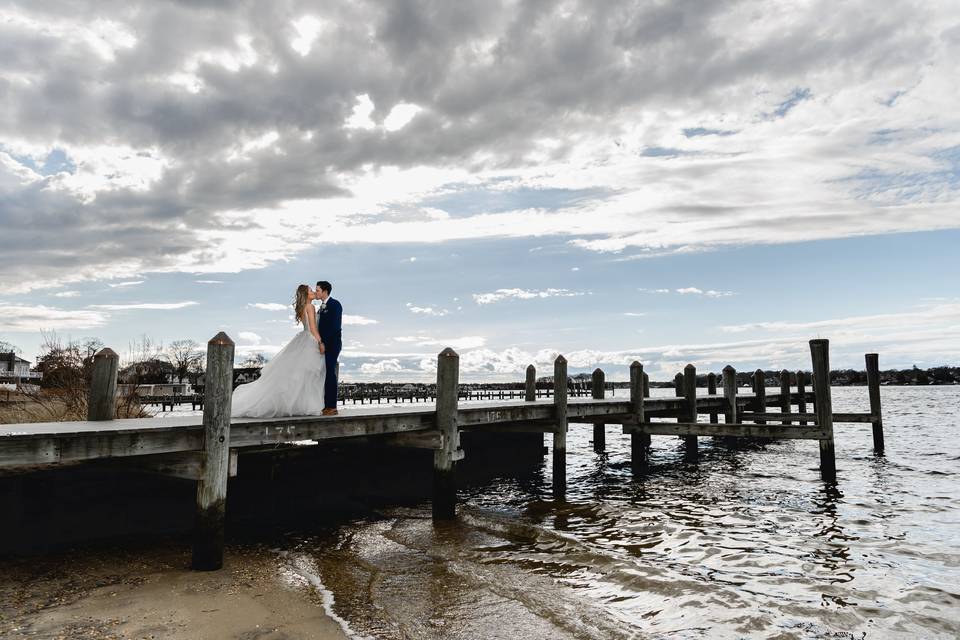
(124, 593)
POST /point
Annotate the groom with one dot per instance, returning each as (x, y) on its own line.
(329, 321)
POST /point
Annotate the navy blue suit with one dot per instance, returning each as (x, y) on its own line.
(329, 324)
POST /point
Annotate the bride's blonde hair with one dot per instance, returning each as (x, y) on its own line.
(300, 301)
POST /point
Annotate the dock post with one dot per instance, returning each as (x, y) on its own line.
(873, 385)
(785, 394)
(531, 387)
(212, 486)
(820, 355)
(638, 441)
(712, 390)
(678, 385)
(102, 397)
(730, 394)
(444, 459)
(560, 428)
(599, 428)
(690, 393)
(760, 394)
(802, 394)
(645, 438)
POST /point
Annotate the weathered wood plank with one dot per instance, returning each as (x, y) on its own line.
(727, 430)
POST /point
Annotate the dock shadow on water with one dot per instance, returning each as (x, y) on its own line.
(748, 542)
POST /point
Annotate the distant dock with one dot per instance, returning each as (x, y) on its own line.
(207, 448)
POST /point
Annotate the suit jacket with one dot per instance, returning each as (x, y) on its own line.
(330, 321)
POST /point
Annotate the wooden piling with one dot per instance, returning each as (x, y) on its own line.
(802, 394)
(760, 394)
(599, 428)
(712, 390)
(873, 386)
(531, 385)
(638, 441)
(690, 394)
(102, 397)
(678, 385)
(820, 356)
(785, 394)
(560, 428)
(445, 458)
(212, 486)
(730, 394)
(645, 438)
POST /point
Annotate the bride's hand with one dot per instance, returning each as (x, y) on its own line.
(322, 348)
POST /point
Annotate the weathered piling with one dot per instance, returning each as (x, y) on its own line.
(638, 441)
(730, 394)
(802, 394)
(785, 394)
(102, 398)
(873, 387)
(560, 428)
(212, 486)
(445, 458)
(678, 385)
(760, 394)
(531, 385)
(690, 394)
(712, 391)
(645, 438)
(599, 428)
(820, 357)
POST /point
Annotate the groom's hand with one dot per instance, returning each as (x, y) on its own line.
(323, 349)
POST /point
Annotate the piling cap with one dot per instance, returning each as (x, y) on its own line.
(530, 367)
(759, 372)
(689, 367)
(598, 371)
(729, 368)
(448, 353)
(560, 359)
(635, 363)
(221, 339)
(106, 352)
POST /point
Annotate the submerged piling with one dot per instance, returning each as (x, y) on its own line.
(599, 428)
(560, 427)
(873, 386)
(445, 458)
(820, 356)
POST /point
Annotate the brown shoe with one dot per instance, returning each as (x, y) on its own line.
(330, 412)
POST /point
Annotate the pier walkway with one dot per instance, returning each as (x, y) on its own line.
(206, 448)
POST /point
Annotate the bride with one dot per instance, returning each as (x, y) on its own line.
(291, 384)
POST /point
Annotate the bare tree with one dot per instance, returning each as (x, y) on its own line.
(183, 354)
(9, 347)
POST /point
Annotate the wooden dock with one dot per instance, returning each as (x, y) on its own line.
(206, 448)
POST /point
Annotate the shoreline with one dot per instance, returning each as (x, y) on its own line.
(118, 592)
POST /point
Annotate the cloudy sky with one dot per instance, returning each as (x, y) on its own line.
(671, 181)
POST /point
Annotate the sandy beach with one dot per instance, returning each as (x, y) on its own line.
(122, 593)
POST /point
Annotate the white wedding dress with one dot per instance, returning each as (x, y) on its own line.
(291, 384)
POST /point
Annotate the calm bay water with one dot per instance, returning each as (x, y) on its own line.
(747, 543)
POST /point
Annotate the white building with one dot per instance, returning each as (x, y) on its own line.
(13, 367)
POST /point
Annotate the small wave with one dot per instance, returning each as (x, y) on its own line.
(304, 568)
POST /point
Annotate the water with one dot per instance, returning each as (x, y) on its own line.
(747, 543)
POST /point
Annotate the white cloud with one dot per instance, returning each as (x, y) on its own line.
(66, 294)
(463, 342)
(523, 294)
(269, 306)
(427, 311)
(156, 306)
(250, 338)
(308, 29)
(209, 281)
(130, 283)
(358, 320)
(33, 318)
(360, 118)
(400, 116)
(383, 366)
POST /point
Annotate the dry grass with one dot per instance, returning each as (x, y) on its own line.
(59, 405)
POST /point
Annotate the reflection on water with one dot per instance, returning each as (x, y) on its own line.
(748, 542)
